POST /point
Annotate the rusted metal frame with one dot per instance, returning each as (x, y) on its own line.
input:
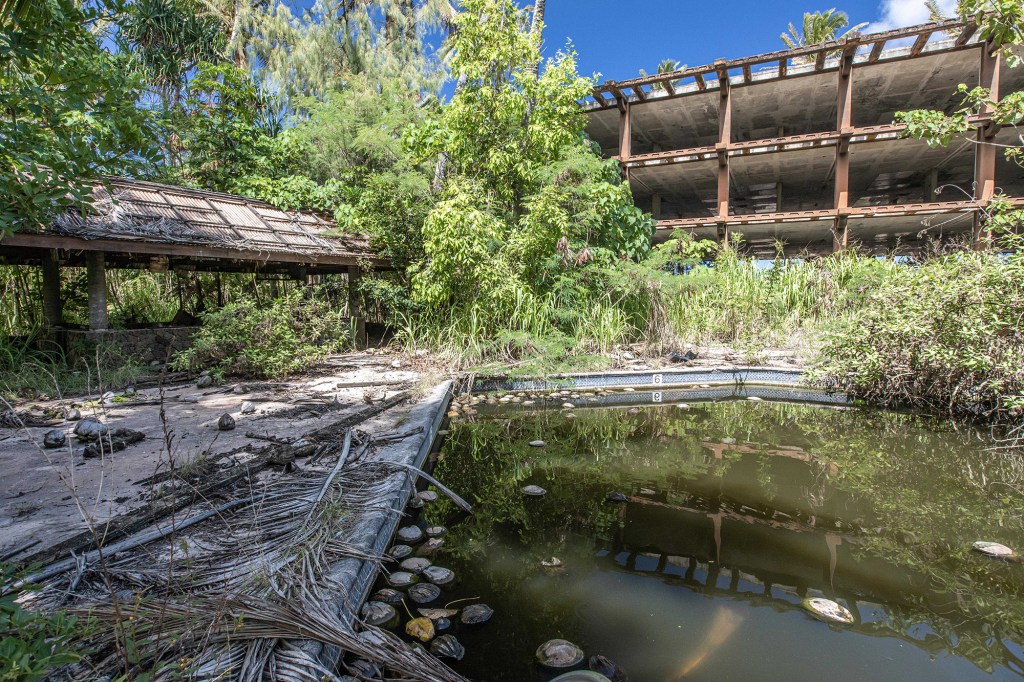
(747, 76)
(984, 150)
(126, 246)
(638, 90)
(876, 51)
(724, 140)
(701, 83)
(625, 133)
(783, 65)
(965, 34)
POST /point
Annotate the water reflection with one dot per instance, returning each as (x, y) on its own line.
(736, 511)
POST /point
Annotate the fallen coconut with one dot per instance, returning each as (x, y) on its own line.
(447, 646)
(424, 593)
(559, 653)
(476, 614)
(378, 613)
(410, 534)
(828, 610)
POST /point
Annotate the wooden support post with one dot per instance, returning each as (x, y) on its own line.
(625, 132)
(97, 287)
(985, 150)
(724, 139)
(844, 123)
(355, 311)
(53, 306)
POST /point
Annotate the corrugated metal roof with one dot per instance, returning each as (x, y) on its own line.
(135, 210)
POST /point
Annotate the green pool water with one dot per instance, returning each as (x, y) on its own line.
(736, 511)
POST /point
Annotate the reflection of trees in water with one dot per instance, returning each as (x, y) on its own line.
(916, 491)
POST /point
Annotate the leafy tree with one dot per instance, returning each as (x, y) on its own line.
(665, 66)
(819, 27)
(67, 112)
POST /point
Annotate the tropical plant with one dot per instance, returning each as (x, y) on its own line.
(665, 66)
(819, 27)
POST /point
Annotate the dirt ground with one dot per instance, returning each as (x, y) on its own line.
(47, 495)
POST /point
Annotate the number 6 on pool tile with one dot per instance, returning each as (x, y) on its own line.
(658, 379)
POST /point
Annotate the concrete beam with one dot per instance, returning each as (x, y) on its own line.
(97, 288)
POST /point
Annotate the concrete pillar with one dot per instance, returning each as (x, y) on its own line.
(840, 233)
(724, 140)
(844, 123)
(984, 150)
(354, 309)
(625, 133)
(97, 285)
(53, 306)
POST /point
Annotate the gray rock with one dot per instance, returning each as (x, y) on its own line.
(559, 653)
(388, 596)
(534, 491)
(226, 422)
(438, 575)
(73, 414)
(90, 429)
(54, 438)
(447, 646)
(248, 407)
(424, 593)
(402, 579)
(410, 534)
(581, 676)
(427, 496)
(415, 565)
(204, 381)
(129, 392)
(476, 614)
(436, 531)
(608, 669)
(378, 613)
(429, 547)
(994, 549)
(400, 552)
(828, 610)
(537, 443)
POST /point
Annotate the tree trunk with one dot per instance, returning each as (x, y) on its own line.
(441, 169)
(536, 29)
(235, 41)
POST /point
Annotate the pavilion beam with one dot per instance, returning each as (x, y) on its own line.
(919, 44)
(844, 124)
(876, 51)
(97, 289)
(53, 306)
(985, 149)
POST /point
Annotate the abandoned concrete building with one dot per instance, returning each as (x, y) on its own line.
(799, 146)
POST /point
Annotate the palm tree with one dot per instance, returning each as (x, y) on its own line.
(664, 66)
(819, 27)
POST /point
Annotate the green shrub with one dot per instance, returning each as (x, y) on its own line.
(289, 335)
(944, 335)
(32, 644)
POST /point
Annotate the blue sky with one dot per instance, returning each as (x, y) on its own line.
(617, 38)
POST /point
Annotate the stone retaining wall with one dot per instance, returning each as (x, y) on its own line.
(145, 346)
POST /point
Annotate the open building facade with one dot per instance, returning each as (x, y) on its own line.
(799, 147)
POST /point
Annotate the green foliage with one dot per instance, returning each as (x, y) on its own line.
(819, 27)
(33, 644)
(69, 113)
(944, 335)
(291, 334)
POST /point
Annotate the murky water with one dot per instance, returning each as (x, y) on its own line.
(735, 512)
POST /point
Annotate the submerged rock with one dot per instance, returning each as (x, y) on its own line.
(378, 613)
(415, 564)
(559, 653)
(442, 624)
(226, 422)
(994, 549)
(54, 438)
(424, 593)
(410, 534)
(600, 664)
(427, 495)
(476, 614)
(534, 491)
(581, 676)
(402, 579)
(90, 429)
(447, 646)
(828, 610)
(616, 497)
(429, 547)
(438, 575)
(436, 531)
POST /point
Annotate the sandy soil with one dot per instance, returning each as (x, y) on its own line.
(47, 495)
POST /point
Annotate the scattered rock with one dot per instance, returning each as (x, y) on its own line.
(90, 429)
(683, 406)
(378, 613)
(438, 575)
(190, 398)
(73, 414)
(226, 422)
(427, 496)
(437, 614)
(388, 596)
(616, 497)
(424, 593)
(129, 392)
(116, 441)
(628, 356)
(581, 676)
(537, 443)
(410, 534)
(828, 611)
(402, 579)
(559, 653)
(476, 614)
(204, 381)
(603, 666)
(248, 407)
(396, 363)
(429, 547)
(534, 491)
(400, 552)
(55, 438)
(447, 646)
(442, 624)
(567, 406)
(436, 531)
(688, 356)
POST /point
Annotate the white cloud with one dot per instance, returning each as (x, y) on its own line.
(900, 13)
